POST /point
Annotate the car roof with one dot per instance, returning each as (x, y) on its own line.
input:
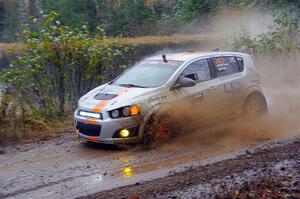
(189, 55)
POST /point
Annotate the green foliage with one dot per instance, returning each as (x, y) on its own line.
(281, 37)
(131, 17)
(59, 64)
(190, 9)
(75, 13)
(126, 17)
(8, 20)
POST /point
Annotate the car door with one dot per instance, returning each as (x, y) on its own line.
(196, 103)
(227, 73)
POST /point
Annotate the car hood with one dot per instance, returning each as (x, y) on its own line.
(108, 97)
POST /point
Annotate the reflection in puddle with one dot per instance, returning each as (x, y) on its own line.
(127, 172)
(96, 178)
(99, 177)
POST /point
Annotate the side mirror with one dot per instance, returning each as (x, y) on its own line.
(184, 82)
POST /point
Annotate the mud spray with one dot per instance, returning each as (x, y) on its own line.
(280, 76)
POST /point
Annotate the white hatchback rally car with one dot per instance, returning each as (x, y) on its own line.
(129, 108)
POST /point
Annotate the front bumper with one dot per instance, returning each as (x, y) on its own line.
(105, 131)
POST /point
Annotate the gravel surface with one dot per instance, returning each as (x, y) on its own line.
(272, 171)
(196, 166)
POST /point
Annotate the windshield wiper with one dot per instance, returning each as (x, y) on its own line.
(132, 85)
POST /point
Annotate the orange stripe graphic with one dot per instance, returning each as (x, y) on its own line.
(93, 138)
(90, 121)
(98, 108)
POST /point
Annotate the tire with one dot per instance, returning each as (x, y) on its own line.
(255, 106)
(159, 129)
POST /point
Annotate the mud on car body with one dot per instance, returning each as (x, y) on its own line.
(129, 108)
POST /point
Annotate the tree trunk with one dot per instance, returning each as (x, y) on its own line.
(61, 94)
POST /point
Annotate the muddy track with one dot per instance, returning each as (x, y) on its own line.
(64, 168)
(278, 159)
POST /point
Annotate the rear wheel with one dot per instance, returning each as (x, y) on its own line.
(160, 128)
(255, 106)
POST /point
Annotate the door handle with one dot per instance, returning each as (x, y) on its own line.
(212, 89)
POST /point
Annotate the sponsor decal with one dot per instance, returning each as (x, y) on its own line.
(158, 99)
(198, 97)
(195, 98)
(233, 88)
(219, 60)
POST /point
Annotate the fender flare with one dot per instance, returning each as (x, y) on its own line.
(249, 91)
(154, 109)
(254, 92)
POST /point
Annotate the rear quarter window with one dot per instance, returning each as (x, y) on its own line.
(227, 65)
(240, 62)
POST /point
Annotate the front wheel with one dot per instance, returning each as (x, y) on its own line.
(255, 106)
(160, 128)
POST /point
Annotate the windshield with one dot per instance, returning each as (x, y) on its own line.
(153, 73)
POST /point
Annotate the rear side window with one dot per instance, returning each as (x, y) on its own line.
(226, 65)
(198, 71)
(240, 62)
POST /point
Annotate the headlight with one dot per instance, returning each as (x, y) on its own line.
(125, 111)
(115, 114)
(90, 114)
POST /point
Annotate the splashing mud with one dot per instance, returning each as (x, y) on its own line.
(281, 84)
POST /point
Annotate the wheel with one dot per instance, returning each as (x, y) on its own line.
(255, 106)
(160, 128)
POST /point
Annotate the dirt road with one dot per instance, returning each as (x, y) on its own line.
(270, 170)
(65, 168)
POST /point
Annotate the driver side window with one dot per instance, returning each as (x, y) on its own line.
(197, 71)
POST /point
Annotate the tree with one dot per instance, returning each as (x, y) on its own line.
(59, 63)
(190, 9)
(2, 16)
(282, 37)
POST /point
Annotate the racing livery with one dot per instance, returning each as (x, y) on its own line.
(130, 109)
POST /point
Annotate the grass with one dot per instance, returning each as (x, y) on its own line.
(6, 47)
(150, 40)
(145, 40)
(33, 130)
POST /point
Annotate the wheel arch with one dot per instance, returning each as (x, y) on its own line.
(252, 93)
(162, 107)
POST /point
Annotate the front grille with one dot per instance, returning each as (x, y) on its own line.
(88, 129)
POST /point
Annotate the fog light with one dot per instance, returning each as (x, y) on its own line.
(124, 133)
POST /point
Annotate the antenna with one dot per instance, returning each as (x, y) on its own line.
(164, 58)
(216, 49)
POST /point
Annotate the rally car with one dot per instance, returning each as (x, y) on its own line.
(138, 105)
